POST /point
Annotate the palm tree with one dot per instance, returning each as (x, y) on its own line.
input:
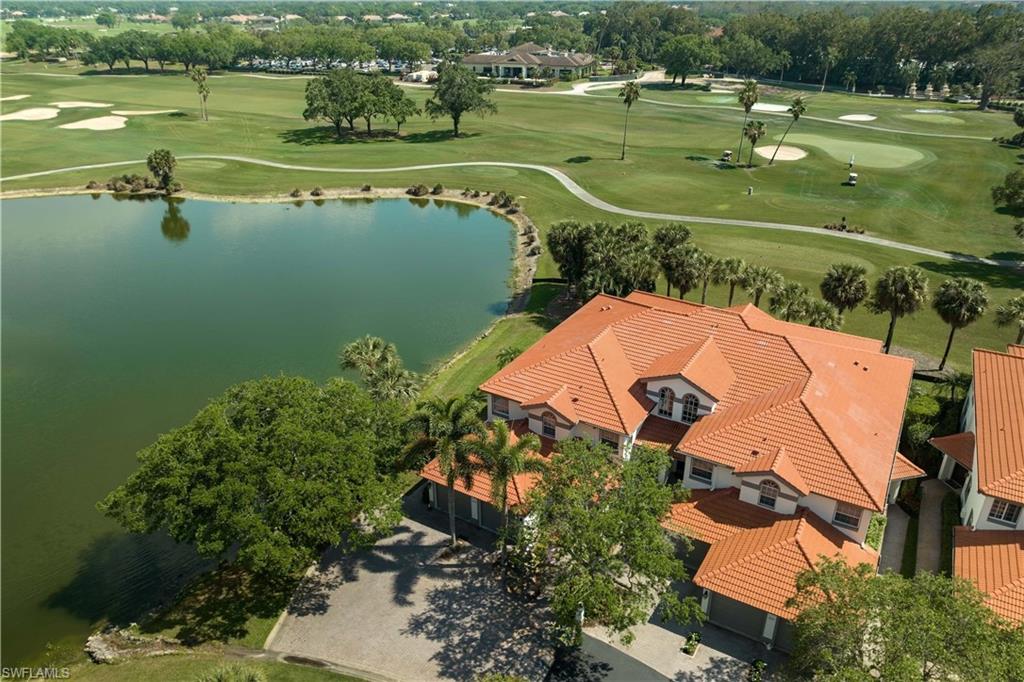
(823, 315)
(706, 270)
(754, 131)
(1012, 313)
(666, 239)
(504, 461)
(955, 381)
(790, 301)
(729, 271)
(391, 381)
(367, 354)
(829, 57)
(747, 97)
(900, 291)
(759, 280)
(508, 354)
(959, 302)
(448, 430)
(688, 263)
(629, 93)
(796, 110)
(198, 76)
(844, 286)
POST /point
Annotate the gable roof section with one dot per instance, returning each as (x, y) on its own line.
(959, 446)
(700, 363)
(903, 469)
(999, 424)
(777, 463)
(713, 515)
(994, 561)
(761, 321)
(560, 400)
(759, 566)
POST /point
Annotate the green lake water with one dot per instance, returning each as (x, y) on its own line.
(121, 318)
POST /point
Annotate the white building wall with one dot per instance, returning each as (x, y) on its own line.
(783, 505)
(826, 508)
(681, 388)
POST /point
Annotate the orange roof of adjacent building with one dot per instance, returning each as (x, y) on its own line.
(994, 561)
(775, 462)
(903, 469)
(713, 515)
(759, 566)
(999, 423)
(833, 401)
(959, 446)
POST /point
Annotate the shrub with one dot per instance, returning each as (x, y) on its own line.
(534, 250)
(466, 192)
(317, 191)
(137, 186)
(235, 672)
(876, 530)
(755, 673)
(418, 191)
(922, 408)
(92, 184)
(296, 193)
(175, 186)
(909, 498)
(476, 194)
(438, 189)
(120, 186)
(366, 188)
(513, 209)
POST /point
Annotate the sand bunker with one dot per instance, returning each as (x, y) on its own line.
(98, 123)
(140, 112)
(931, 111)
(770, 107)
(34, 114)
(786, 153)
(80, 105)
(857, 117)
(11, 98)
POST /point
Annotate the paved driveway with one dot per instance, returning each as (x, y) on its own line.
(402, 611)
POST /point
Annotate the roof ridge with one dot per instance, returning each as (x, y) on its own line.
(746, 419)
(760, 552)
(700, 349)
(841, 454)
(604, 380)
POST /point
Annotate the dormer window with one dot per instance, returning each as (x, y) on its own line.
(768, 493)
(690, 406)
(547, 428)
(666, 397)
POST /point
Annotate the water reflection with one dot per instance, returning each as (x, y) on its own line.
(462, 209)
(174, 225)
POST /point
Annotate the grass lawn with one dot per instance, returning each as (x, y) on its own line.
(193, 667)
(931, 191)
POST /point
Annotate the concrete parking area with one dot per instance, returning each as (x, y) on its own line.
(406, 610)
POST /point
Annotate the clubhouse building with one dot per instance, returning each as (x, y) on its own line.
(785, 434)
(985, 462)
(530, 60)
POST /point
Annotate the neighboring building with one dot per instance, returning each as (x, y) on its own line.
(396, 17)
(530, 60)
(372, 18)
(786, 434)
(985, 462)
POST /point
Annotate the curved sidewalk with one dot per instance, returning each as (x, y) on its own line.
(574, 189)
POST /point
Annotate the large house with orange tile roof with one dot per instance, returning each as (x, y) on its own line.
(786, 435)
(985, 461)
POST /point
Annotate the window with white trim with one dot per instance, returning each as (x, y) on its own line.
(666, 398)
(547, 427)
(1004, 512)
(701, 471)
(499, 406)
(690, 406)
(847, 516)
(768, 493)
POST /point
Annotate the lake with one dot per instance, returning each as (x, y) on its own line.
(120, 319)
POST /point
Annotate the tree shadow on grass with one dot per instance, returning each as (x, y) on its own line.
(327, 135)
(995, 277)
(579, 159)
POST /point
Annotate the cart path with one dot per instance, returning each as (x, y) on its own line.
(573, 188)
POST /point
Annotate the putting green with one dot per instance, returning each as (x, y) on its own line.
(868, 154)
(717, 99)
(934, 118)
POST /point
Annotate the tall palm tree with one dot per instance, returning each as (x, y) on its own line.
(198, 76)
(1012, 313)
(391, 381)
(759, 280)
(796, 110)
(747, 98)
(959, 302)
(754, 131)
(844, 286)
(706, 272)
(900, 291)
(823, 315)
(790, 302)
(666, 239)
(366, 354)
(687, 267)
(629, 93)
(504, 461)
(449, 430)
(729, 271)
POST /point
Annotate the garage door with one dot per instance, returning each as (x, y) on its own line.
(784, 635)
(737, 616)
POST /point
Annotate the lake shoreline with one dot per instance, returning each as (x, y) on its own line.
(524, 264)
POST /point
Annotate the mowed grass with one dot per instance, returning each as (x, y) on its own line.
(195, 667)
(940, 201)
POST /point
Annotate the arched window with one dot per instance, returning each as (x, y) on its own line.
(666, 397)
(547, 425)
(768, 493)
(690, 405)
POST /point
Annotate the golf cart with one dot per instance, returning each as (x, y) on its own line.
(852, 180)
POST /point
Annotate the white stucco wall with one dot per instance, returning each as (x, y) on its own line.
(681, 388)
(752, 494)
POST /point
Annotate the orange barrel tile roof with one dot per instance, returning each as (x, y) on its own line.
(999, 424)
(994, 561)
(959, 446)
(903, 469)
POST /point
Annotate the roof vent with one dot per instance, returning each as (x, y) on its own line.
(605, 307)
